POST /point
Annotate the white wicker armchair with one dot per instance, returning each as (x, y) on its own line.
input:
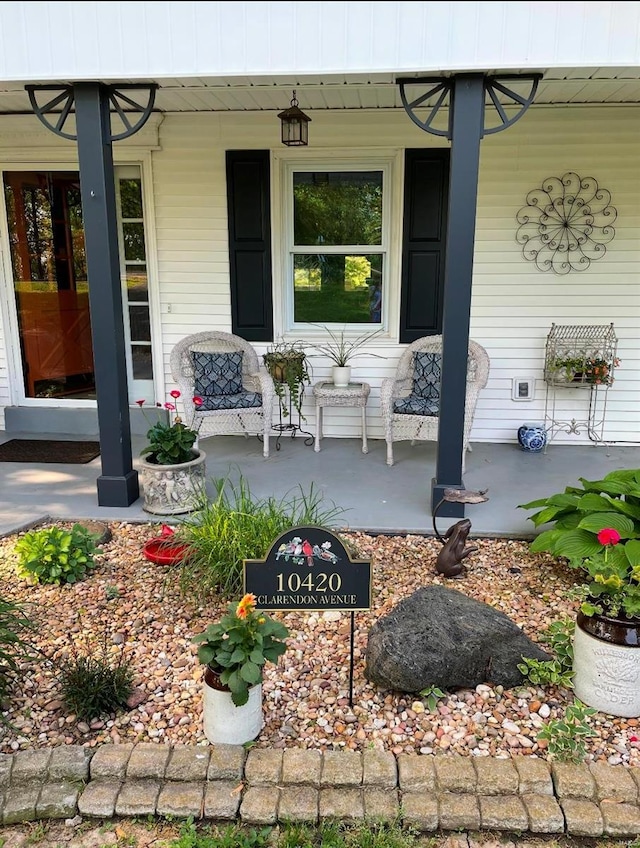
(399, 426)
(247, 412)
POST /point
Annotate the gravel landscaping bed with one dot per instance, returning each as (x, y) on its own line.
(136, 606)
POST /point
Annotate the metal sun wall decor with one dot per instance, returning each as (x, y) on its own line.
(566, 224)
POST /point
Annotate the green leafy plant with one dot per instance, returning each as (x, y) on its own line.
(615, 578)
(566, 736)
(559, 670)
(287, 363)
(341, 349)
(237, 647)
(579, 514)
(432, 695)
(593, 370)
(545, 672)
(236, 526)
(55, 555)
(170, 443)
(94, 681)
(15, 626)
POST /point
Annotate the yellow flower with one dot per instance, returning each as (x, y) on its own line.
(261, 620)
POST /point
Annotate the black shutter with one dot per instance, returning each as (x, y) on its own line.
(248, 201)
(426, 193)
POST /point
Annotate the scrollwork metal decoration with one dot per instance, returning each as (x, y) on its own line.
(566, 224)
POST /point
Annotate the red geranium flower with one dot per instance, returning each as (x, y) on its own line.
(175, 394)
(197, 401)
(140, 403)
(170, 406)
(608, 536)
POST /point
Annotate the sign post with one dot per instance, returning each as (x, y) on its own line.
(309, 568)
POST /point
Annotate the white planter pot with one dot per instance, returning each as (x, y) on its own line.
(341, 375)
(606, 663)
(224, 723)
(173, 489)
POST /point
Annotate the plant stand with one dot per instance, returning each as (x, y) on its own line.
(286, 423)
(579, 345)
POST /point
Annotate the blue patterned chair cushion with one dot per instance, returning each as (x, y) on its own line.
(240, 400)
(416, 405)
(427, 373)
(216, 374)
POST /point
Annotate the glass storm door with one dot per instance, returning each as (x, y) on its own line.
(50, 283)
(46, 234)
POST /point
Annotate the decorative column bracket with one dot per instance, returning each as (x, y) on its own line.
(439, 96)
(55, 112)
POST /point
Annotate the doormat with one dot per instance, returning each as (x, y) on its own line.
(49, 450)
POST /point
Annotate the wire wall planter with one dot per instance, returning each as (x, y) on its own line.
(579, 357)
(566, 224)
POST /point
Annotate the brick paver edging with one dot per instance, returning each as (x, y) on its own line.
(265, 786)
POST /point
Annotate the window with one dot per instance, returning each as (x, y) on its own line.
(337, 245)
(133, 258)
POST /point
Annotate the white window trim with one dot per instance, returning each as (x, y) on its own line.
(283, 249)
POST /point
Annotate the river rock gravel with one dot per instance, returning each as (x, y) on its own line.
(136, 606)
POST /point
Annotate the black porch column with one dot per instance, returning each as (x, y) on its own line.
(118, 483)
(466, 134)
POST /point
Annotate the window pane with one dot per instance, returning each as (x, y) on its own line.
(337, 207)
(133, 236)
(142, 362)
(139, 323)
(340, 289)
(131, 198)
(137, 283)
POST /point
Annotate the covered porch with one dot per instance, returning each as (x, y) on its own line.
(375, 497)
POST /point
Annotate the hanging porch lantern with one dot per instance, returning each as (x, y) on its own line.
(295, 129)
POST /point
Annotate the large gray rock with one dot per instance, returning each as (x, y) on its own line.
(440, 637)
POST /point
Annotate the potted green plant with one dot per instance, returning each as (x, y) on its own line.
(173, 465)
(590, 370)
(234, 651)
(287, 364)
(341, 350)
(597, 529)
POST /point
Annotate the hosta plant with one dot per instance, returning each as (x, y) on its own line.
(56, 555)
(579, 514)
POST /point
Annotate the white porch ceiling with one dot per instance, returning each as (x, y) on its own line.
(373, 91)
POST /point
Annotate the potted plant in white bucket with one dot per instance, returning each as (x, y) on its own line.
(597, 529)
(234, 651)
(173, 465)
(606, 649)
(341, 350)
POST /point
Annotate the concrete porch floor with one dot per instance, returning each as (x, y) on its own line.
(374, 496)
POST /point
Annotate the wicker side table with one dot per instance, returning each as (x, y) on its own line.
(355, 394)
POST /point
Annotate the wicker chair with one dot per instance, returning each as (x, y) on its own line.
(247, 409)
(421, 422)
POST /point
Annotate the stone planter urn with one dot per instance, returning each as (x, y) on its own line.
(606, 664)
(173, 489)
(224, 723)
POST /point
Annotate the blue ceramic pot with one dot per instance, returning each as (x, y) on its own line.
(532, 437)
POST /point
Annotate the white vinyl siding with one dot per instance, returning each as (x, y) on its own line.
(513, 304)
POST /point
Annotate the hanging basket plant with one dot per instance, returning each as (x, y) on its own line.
(287, 364)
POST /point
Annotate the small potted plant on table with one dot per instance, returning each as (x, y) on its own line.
(173, 466)
(342, 350)
(235, 650)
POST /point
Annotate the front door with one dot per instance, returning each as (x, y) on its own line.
(44, 217)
